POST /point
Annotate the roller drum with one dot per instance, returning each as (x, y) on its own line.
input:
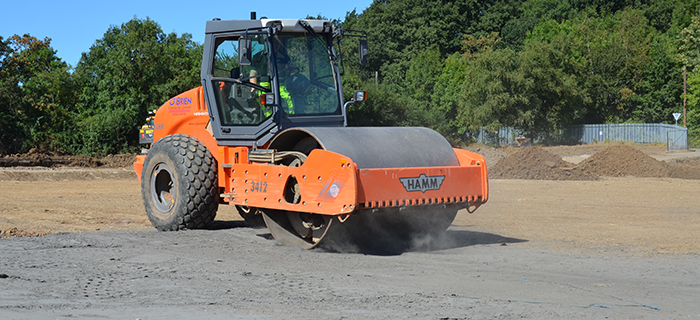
(377, 147)
(386, 230)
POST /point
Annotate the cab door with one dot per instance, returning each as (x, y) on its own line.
(233, 91)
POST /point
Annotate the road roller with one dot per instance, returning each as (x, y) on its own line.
(267, 132)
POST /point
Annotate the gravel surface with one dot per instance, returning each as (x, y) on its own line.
(240, 273)
(76, 244)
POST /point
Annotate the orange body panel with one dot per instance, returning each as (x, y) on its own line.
(185, 114)
(138, 165)
(327, 181)
(430, 185)
(330, 183)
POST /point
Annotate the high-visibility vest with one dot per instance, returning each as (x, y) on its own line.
(284, 94)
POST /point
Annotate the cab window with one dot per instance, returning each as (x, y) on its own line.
(238, 88)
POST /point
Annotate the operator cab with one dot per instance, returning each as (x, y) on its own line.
(263, 76)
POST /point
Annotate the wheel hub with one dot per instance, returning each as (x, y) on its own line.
(163, 188)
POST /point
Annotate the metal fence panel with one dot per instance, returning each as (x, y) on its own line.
(674, 136)
(504, 136)
(677, 140)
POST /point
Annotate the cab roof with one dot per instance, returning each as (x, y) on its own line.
(288, 25)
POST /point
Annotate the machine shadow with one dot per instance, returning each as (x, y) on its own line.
(450, 239)
(223, 225)
(390, 246)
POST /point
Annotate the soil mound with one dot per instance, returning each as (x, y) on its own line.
(689, 162)
(17, 233)
(491, 155)
(118, 160)
(36, 158)
(623, 161)
(688, 168)
(536, 163)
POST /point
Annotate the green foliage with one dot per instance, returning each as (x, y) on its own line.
(384, 106)
(52, 93)
(555, 63)
(134, 68)
(399, 30)
(491, 93)
(660, 90)
(689, 45)
(530, 90)
(423, 86)
(693, 108)
(98, 108)
(608, 53)
(446, 100)
(454, 66)
(36, 94)
(670, 16)
(556, 97)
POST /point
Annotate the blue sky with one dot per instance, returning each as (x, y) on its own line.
(73, 26)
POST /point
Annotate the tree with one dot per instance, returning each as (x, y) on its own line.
(399, 30)
(531, 90)
(133, 68)
(491, 93)
(659, 92)
(383, 107)
(610, 55)
(36, 94)
(671, 16)
(446, 100)
(420, 84)
(440, 111)
(531, 12)
(556, 97)
(688, 46)
(10, 97)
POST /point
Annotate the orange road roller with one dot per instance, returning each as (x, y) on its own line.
(267, 132)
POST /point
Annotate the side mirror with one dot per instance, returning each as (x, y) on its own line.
(359, 96)
(364, 52)
(244, 52)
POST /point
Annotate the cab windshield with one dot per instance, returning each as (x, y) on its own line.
(305, 73)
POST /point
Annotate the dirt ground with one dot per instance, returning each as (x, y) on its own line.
(569, 232)
(635, 215)
(605, 196)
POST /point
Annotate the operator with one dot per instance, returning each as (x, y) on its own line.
(284, 68)
(259, 74)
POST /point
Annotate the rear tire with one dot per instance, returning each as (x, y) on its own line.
(179, 184)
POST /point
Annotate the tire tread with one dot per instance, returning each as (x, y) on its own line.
(198, 182)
